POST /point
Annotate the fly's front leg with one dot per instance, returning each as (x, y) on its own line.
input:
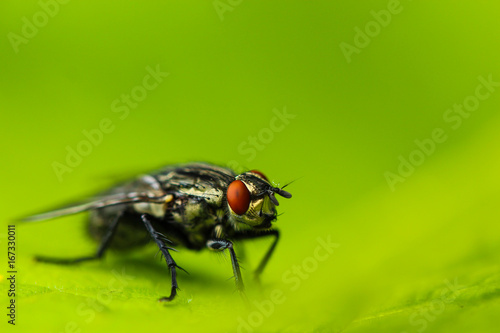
(172, 266)
(249, 234)
(221, 245)
(106, 240)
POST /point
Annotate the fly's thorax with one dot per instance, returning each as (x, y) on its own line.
(199, 181)
(194, 205)
(211, 195)
(187, 195)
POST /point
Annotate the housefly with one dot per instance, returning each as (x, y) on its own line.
(196, 206)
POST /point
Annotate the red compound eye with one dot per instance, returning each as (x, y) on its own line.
(259, 173)
(238, 197)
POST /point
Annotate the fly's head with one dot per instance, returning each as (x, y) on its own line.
(251, 200)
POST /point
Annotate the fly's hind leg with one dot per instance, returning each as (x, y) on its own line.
(106, 240)
(172, 266)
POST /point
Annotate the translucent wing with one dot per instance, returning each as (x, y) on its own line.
(101, 202)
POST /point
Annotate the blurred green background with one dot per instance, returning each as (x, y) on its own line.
(361, 82)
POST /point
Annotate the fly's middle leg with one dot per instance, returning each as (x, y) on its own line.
(249, 234)
(106, 240)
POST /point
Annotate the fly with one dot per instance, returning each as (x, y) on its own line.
(195, 205)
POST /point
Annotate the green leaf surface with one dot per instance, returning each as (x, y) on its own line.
(394, 221)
